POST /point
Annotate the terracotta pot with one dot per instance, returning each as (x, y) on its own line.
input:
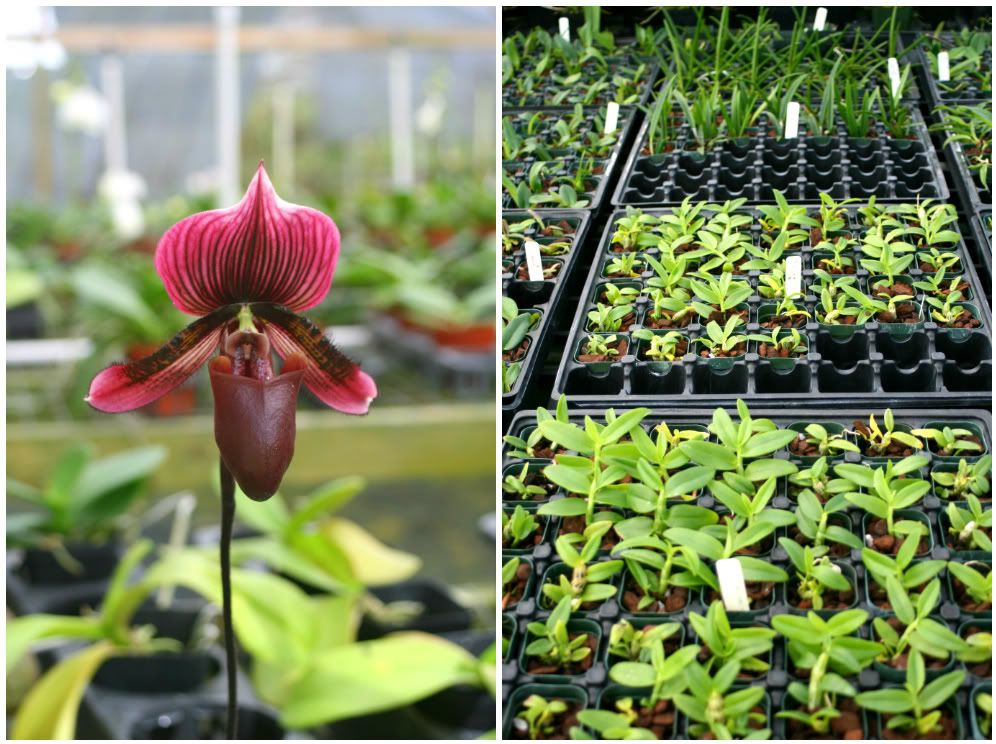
(479, 337)
(144, 245)
(476, 337)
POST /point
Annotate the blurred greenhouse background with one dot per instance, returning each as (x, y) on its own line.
(121, 121)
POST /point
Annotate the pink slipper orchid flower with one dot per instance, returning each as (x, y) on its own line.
(247, 272)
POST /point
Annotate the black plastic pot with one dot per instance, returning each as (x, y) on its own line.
(608, 163)
(41, 568)
(441, 613)
(888, 169)
(596, 679)
(548, 300)
(552, 93)
(981, 224)
(971, 192)
(955, 91)
(568, 693)
(24, 322)
(204, 721)
(467, 711)
(891, 364)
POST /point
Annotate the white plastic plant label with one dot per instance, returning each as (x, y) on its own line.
(611, 117)
(731, 585)
(894, 75)
(565, 29)
(943, 67)
(820, 22)
(792, 120)
(793, 275)
(534, 265)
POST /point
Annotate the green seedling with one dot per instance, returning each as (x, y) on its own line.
(914, 707)
(552, 644)
(830, 652)
(518, 527)
(712, 709)
(968, 479)
(815, 574)
(968, 527)
(587, 580)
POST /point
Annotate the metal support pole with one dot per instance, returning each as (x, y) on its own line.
(399, 63)
(227, 91)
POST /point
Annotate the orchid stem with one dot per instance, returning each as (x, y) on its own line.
(227, 518)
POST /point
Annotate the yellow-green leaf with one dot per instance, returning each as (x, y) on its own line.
(49, 710)
(362, 678)
(373, 563)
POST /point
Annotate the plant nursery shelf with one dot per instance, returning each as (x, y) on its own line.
(171, 38)
(405, 442)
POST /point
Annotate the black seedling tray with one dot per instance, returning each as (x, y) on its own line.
(544, 297)
(549, 117)
(566, 161)
(592, 684)
(970, 190)
(873, 364)
(981, 224)
(943, 94)
(754, 167)
(552, 93)
(596, 184)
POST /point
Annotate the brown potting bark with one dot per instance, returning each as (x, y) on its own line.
(666, 320)
(880, 598)
(562, 725)
(947, 729)
(845, 726)
(550, 271)
(964, 320)
(803, 448)
(897, 288)
(513, 592)
(905, 313)
(680, 349)
(824, 264)
(544, 450)
(621, 345)
(845, 320)
(738, 350)
(535, 666)
(576, 524)
(770, 351)
(675, 599)
(894, 449)
(883, 542)
(658, 718)
(928, 269)
(966, 601)
(514, 355)
(947, 289)
(561, 228)
(531, 540)
(832, 599)
(759, 594)
(970, 438)
(722, 317)
(785, 321)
